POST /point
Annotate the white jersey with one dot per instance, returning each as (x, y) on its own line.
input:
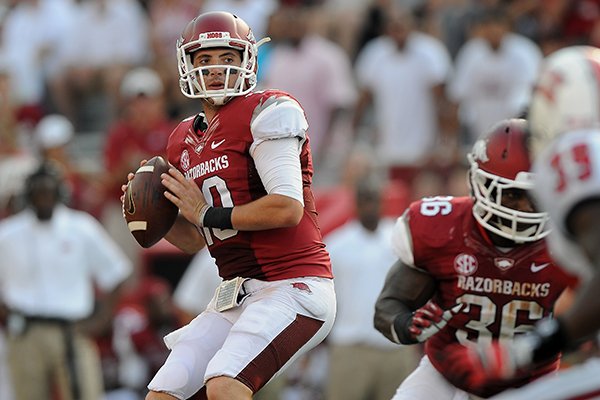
(577, 382)
(568, 172)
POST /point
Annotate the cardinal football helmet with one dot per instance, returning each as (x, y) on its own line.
(224, 30)
(566, 96)
(500, 161)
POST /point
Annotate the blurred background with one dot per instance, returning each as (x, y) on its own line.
(395, 91)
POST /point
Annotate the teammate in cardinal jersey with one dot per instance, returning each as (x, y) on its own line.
(471, 269)
(565, 116)
(241, 178)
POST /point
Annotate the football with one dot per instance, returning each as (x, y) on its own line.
(149, 214)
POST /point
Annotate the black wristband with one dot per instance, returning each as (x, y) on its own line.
(218, 217)
(551, 340)
(401, 324)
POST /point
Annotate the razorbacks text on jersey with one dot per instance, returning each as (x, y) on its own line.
(217, 156)
(505, 291)
(568, 173)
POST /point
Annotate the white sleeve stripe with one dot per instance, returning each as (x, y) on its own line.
(402, 241)
(278, 164)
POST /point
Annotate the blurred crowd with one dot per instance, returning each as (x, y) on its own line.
(394, 90)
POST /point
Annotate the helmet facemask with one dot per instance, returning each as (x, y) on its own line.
(192, 79)
(509, 223)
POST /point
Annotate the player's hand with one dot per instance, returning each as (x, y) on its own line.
(130, 176)
(502, 361)
(186, 195)
(477, 368)
(430, 319)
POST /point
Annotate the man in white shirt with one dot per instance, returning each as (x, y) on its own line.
(494, 74)
(317, 72)
(53, 260)
(402, 74)
(363, 364)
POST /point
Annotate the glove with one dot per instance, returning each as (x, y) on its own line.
(423, 323)
(496, 361)
(473, 370)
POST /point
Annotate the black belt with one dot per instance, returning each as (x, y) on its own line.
(47, 320)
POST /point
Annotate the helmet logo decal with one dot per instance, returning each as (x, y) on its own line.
(547, 86)
(479, 151)
(214, 35)
(465, 264)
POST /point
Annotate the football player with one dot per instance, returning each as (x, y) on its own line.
(565, 126)
(241, 178)
(471, 269)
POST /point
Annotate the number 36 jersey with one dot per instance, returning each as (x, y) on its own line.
(505, 291)
(218, 157)
(568, 173)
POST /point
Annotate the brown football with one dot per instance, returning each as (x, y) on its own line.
(149, 214)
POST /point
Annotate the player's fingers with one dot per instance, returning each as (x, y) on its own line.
(415, 331)
(144, 161)
(421, 322)
(174, 172)
(172, 184)
(174, 199)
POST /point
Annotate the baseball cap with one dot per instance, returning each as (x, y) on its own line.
(54, 130)
(141, 81)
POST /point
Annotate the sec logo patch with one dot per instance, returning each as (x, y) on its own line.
(465, 264)
(185, 160)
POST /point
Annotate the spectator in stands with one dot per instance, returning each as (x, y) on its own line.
(16, 161)
(145, 315)
(141, 132)
(256, 13)
(494, 74)
(402, 74)
(361, 254)
(29, 42)
(53, 136)
(314, 70)
(107, 38)
(166, 18)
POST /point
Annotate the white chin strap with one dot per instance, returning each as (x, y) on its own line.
(217, 101)
(524, 233)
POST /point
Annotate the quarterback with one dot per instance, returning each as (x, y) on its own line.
(241, 177)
